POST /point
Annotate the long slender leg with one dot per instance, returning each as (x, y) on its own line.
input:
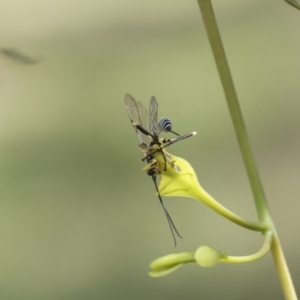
(170, 222)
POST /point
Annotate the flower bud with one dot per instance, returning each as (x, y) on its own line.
(169, 263)
(207, 257)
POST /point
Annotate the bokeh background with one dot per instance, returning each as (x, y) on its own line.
(78, 219)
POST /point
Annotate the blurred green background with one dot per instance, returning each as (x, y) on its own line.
(78, 219)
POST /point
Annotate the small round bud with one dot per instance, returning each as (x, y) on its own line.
(207, 257)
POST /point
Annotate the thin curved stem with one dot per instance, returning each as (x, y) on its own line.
(208, 200)
(242, 137)
(249, 258)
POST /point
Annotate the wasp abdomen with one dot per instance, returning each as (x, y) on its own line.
(165, 124)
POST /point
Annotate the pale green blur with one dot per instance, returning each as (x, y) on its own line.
(78, 219)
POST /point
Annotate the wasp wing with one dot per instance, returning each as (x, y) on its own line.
(153, 117)
(138, 114)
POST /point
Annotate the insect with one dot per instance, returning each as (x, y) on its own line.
(165, 124)
(148, 129)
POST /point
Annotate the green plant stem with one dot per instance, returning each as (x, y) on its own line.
(249, 258)
(242, 137)
(282, 269)
(234, 108)
(295, 3)
(201, 195)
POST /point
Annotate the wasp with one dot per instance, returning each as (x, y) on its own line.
(148, 130)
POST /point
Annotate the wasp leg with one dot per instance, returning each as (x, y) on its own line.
(170, 222)
(150, 155)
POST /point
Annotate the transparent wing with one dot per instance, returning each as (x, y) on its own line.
(139, 115)
(153, 117)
